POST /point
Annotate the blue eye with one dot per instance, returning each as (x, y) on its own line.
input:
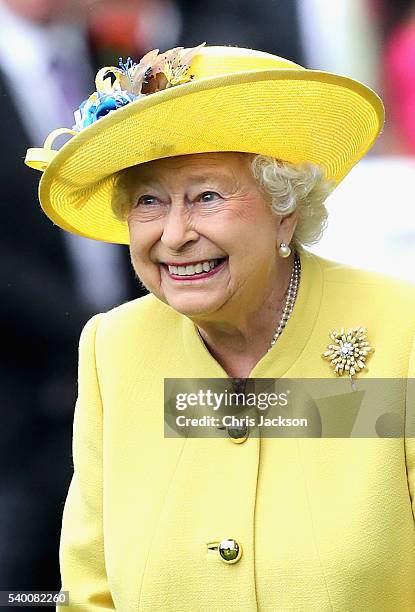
(147, 200)
(209, 196)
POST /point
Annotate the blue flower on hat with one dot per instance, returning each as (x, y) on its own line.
(98, 105)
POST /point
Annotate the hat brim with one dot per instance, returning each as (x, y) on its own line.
(295, 115)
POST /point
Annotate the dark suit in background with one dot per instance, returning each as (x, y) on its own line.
(268, 25)
(38, 372)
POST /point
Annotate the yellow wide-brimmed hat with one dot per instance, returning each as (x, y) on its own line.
(199, 100)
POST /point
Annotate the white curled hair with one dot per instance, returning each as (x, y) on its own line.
(301, 187)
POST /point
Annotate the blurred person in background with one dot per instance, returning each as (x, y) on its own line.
(399, 74)
(49, 286)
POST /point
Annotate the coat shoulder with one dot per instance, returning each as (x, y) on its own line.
(366, 281)
(145, 319)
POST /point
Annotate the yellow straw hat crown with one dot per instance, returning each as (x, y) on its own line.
(200, 100)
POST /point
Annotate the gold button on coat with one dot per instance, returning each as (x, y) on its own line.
(238, 434)
(230, 551)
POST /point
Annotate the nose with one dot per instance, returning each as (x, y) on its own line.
(178, 229)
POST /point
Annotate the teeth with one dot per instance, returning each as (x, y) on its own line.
(204, 266)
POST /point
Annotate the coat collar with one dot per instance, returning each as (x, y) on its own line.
(290, 344)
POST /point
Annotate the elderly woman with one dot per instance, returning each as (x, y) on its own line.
(213, 164)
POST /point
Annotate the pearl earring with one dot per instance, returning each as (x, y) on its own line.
(284, 250)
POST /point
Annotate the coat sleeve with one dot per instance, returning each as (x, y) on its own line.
(81, 552)
(410, 427)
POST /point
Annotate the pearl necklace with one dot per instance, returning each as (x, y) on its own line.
(290, 299)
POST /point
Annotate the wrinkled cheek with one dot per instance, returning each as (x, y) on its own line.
(240, 279)
(135, 259)
(149, 274)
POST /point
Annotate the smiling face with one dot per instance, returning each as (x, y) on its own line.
(202, 234)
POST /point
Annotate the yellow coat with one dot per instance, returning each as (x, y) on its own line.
(324, 524)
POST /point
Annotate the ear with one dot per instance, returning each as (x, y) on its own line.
(287, 227)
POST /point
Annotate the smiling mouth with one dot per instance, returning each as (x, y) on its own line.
(202, 268)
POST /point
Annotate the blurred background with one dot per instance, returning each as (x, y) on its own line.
(52, 282)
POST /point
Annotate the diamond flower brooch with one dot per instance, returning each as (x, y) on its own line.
(348, 352)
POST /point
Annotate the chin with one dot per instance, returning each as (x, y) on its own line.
(192, 307)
